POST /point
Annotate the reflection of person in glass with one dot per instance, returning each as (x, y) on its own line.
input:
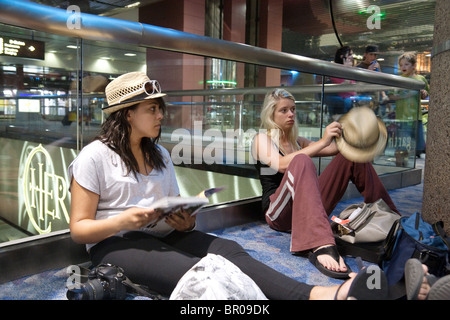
(407, 104)
(342, 102)
(370, 56)
(370, 62)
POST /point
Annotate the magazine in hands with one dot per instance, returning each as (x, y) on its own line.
(173, 205)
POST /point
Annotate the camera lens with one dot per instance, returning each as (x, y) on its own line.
(75, 294)
(91, 290)
(95, 290)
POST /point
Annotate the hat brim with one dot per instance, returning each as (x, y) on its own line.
(363, 155)
(130, 102)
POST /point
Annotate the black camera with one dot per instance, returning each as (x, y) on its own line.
(104, 282)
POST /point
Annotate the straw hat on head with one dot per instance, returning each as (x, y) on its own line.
(363, 136)
(129, 89)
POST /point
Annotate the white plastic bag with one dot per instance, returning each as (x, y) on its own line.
(216, 278)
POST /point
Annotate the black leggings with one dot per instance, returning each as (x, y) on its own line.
(159, 263)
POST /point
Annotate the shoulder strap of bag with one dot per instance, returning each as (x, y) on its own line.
(391, 239)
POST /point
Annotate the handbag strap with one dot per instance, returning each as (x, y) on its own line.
(417, 226)
(391, 239)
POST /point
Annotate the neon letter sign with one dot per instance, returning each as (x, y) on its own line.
(44, 191)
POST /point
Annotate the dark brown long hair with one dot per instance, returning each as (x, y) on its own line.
(341, 53)
(115, 133)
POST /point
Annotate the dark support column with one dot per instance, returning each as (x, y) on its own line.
(436, 194)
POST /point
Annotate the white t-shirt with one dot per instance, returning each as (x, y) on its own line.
(100, 170)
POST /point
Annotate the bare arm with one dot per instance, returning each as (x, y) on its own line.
(85, 229)
(265, 151)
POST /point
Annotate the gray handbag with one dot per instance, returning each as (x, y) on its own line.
(371, 222)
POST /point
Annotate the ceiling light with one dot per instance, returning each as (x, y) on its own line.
(129, 54)
(133, 5)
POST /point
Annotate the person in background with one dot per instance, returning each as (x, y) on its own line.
(344, 55)
(370, 57)
(341, 102)
(370, 62)
(407, 105)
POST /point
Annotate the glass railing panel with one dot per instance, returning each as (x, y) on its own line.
(36, 145)
(205, 133)
(216, 140)
(50, 109)
(404, 121)
(102, 62)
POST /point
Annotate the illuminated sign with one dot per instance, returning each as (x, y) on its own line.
(29, 105)
(22, 48)
(43, 190)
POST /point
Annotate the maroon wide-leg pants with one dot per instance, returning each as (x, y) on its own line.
(303, 201)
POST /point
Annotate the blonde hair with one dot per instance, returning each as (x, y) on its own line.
(273, 130)
(409, 56)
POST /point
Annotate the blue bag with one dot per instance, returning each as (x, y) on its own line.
(415, 238)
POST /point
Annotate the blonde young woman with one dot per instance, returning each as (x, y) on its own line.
(294, 198)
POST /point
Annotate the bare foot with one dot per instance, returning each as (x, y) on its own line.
(330, 263)
(425, 287)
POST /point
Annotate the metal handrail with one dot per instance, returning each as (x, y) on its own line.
(314, 88)
(92, 27)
